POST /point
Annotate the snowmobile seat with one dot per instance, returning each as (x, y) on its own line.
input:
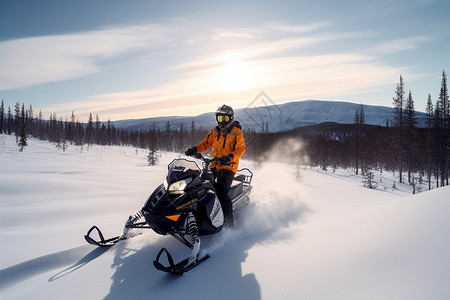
(240, 178)
(236, 188)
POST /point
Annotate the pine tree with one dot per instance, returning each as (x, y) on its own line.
(153, 155)
(411, 124)
(429, 112)
(103, 136)
(399, 101)
(109, 133)
(97, 133)
(30, 121)
(444, 107)
(69, 129)
(168, 138)
(444, 101)
(61, 141)
(370, 182)
(41, 123)
(22, 131)
(54, 131)
(2, 117)
(79, 133)
(89, 135)
(17, 117)
(359, 121)
(429, 124)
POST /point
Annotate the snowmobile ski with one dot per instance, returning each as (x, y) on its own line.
(102, 242)
(111, 241)
(179, 268)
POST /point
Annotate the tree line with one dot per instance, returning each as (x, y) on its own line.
(23, 123)
(399, 146)
(420, 153)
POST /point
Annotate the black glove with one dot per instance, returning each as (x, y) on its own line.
(191, 151)
(226, 160)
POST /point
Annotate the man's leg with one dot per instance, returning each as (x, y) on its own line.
(224, 180)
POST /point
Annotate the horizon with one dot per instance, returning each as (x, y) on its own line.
(152, 59)
(27, 105)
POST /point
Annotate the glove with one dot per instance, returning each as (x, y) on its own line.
(191, 151)
(226, 160)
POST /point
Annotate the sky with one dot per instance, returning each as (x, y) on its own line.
(135, 59)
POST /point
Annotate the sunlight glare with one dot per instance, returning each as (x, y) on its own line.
(235, 76)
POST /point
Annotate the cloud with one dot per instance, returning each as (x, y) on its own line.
(252, 51)
(400, 45)
(36, 60)
(291, 77)
(227, 34)
(286, 28)
(30, 61)
(45, 59)
(276, 58)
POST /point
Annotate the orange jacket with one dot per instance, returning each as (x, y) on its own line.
(224, 143)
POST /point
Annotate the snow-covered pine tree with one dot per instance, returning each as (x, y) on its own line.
(370, 182)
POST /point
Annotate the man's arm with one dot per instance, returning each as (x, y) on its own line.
(207, 142)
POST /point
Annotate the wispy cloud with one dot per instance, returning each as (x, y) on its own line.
(37, 60)
(286, 28)
(252, 51)
(400, 45)
(290, 77)
(31, 61)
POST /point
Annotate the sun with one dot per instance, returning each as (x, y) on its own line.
(235, 76)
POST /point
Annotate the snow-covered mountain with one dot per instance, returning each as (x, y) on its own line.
(277, 118)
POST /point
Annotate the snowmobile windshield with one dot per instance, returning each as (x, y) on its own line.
(180, 169)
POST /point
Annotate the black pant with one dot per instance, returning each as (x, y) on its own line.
(222, 184)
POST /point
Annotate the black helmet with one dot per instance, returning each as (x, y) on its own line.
(224, 117)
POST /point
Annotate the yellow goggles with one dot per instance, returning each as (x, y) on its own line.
(223, 119)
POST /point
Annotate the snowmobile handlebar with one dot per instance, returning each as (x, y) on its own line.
(207, 161)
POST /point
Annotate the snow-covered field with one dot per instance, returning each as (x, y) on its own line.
(324, 236)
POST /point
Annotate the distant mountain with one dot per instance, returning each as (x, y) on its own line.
(277, 118)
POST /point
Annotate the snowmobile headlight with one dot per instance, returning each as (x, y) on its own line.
(179, 186)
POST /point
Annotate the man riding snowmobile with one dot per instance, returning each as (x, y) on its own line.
(228, 144)
(187, 205)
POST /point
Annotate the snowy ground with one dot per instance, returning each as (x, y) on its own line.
(323, 237)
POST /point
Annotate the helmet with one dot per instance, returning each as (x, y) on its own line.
(224, 117)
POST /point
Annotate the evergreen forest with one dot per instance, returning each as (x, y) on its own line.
(415, 153)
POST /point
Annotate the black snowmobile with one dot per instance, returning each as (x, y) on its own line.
(186, 207)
